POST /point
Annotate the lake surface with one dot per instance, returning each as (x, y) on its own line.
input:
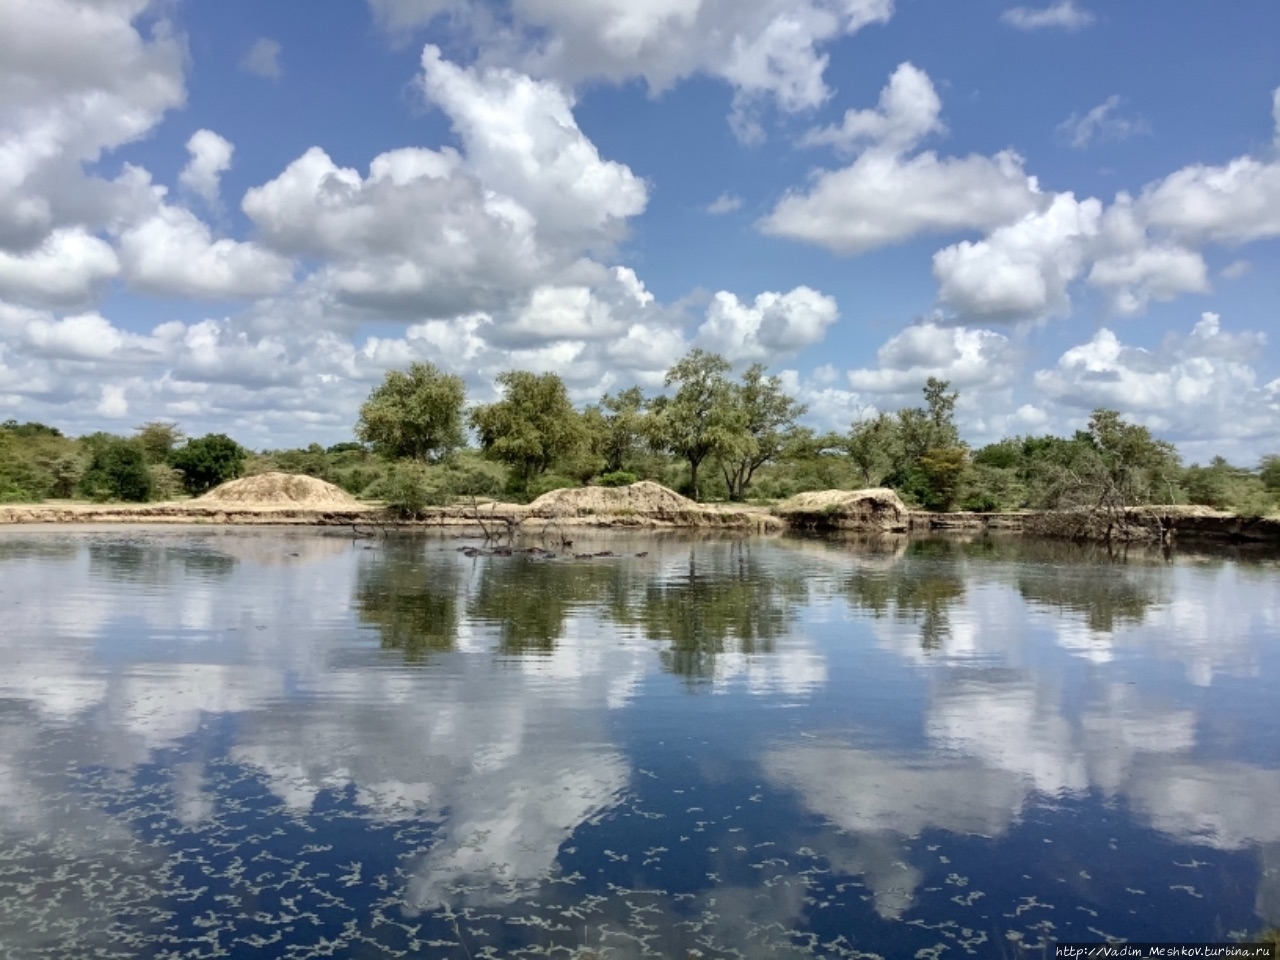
(284, 743)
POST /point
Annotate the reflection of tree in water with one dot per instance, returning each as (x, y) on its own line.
(143, 562)
(919, 589)
(1107, 596)
(411, 597)
(37, 548)
(530, 599)
(722, 596)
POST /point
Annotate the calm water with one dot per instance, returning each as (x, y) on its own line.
(269, 743)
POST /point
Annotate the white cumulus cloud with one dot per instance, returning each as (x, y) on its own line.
(888, 195)
(65, 270)
(966, 357)
(774, 326)
(1197, 386)
(79, 80)
(1021, 270)
(210, 159)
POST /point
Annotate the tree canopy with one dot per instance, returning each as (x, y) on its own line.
(532, 426)
(415, 414)
(208, 461)
(701, 419)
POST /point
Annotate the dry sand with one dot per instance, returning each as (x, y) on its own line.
(876, 509)
(279, 490)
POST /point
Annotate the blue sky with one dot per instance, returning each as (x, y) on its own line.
(239, 216)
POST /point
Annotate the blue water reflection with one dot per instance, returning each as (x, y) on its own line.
(284, 743)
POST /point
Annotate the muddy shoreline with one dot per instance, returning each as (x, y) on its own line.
(1168, 524)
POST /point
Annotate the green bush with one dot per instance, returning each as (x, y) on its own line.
(208, 461)
(166, 481)
(409, 489)
(618, 478)
(118, 471)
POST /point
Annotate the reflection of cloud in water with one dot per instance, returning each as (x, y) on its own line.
(506, 826)
(1219, 804)
(1013, 726)
(881, 799)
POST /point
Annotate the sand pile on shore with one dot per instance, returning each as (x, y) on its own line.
(280, 490)
(645, 498)
(876, 509)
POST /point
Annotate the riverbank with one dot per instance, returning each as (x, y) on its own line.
(650, 506)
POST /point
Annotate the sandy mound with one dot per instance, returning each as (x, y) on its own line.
(645, 498)
(876, 509)
(280, 489)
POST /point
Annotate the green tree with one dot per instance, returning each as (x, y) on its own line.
(417, 414)
(1131, 466)
(1269, 471)
(532, 426)
(928, 452)
(942, 469)
(208, 461)
(769, 420)
(621, 428)
(874, 446)
(158, 439)
(701, 420)
(118, 471)
(1209, 486)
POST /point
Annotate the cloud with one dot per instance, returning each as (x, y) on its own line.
(1021, 270)
(87, 337)
(88, 83)
(725, 203)
(1157, 272)
(66, 270)
(882, 200)
(775, 326)
(909, 110)
(1099, 125)
(885, 196)
(1236, 269)
(522, 140)
(210, 159)
(440, 233)
(966, 357)
(1234, 203)
(767, 50)
(172, 252)
(1192, 387)
(263, 59)
(1060, 15)
(114, 404)
(399, 17)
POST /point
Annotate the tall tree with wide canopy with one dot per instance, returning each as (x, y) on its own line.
(768, 417)
(701, 419)
(532, 426)
(415, 414)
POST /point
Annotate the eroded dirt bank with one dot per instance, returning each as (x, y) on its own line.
(648, 505)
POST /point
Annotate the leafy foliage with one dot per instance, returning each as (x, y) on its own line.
(768, 422)
(617, 478)
(159, 438)
(415, 414)
(117, 471)
(208, 461)
(702, 419)
(532, 426)
(37, 462)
